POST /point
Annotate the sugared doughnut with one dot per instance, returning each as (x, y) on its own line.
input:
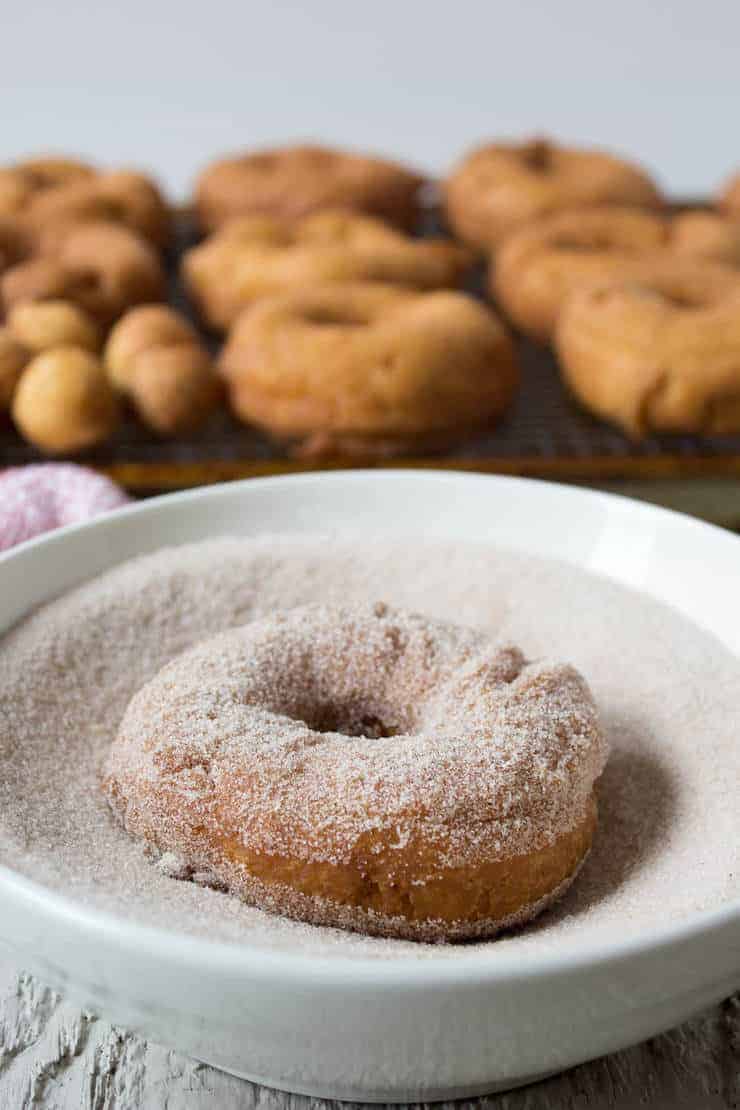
(63, 402)
(369, 369)
(502, 186)
(39, 325)
(260, 256)
(292, 181)
(13, 359)
(657, 353)
(365, 768)
(103, 267)
(43, 496)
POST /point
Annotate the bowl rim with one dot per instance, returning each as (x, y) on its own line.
(496, 965)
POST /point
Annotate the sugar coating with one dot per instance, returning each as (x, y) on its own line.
(312, 732)
(669, 697)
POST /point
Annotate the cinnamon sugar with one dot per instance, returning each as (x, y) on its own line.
(669, 696)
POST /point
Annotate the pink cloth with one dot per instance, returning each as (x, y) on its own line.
(38, 498)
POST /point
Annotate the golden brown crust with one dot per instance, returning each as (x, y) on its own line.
(367, 364)
(154, 356)
(536, 269)
(260, 256)
(728, 200)
(38, 325)
(174, 388)
(458, 900)
(46, 171)
(367, 768)
(15, 242)
(121, 197)
(63, 402)
(660, 352)
(704, 234)
(24, 181)
(502, 186)
(13, 359)
(289, 182)
(149, 325)
(103, 267)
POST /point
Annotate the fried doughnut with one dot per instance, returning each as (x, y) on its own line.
(13, 359)
(49, 170)
(365, 768)
(15, 243)
(39, 325)
(174, 388)
(502, 186)
(103, 267)
(149, 325)
(292, 181)
(260, 256)
(658, 353)
(728, 200)
(44, 279)
(369, 368)
(155, 357)
(537, 267)
(63, 402)
(702, 234)
(20, 183)
(120, 196)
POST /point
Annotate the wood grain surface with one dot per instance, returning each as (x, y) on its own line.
(56, 1057)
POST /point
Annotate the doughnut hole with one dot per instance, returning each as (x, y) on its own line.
(13, 359)
(151, 325)
(174, 388)
(63, 402)
(39, 325)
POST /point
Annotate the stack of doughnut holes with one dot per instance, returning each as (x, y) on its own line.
(85, 335)
(343, 333)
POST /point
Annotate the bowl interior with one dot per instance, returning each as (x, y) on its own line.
(686, 564)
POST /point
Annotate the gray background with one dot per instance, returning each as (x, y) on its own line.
(167, 85)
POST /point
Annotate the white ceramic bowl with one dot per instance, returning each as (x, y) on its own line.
(409, 1029)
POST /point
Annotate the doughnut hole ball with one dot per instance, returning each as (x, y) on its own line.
(13, 359)
(155, 358)
(174, 388)
(149, 325)
(64, 402)
(39, 325)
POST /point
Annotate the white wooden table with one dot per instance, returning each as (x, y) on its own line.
(55, 1057)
